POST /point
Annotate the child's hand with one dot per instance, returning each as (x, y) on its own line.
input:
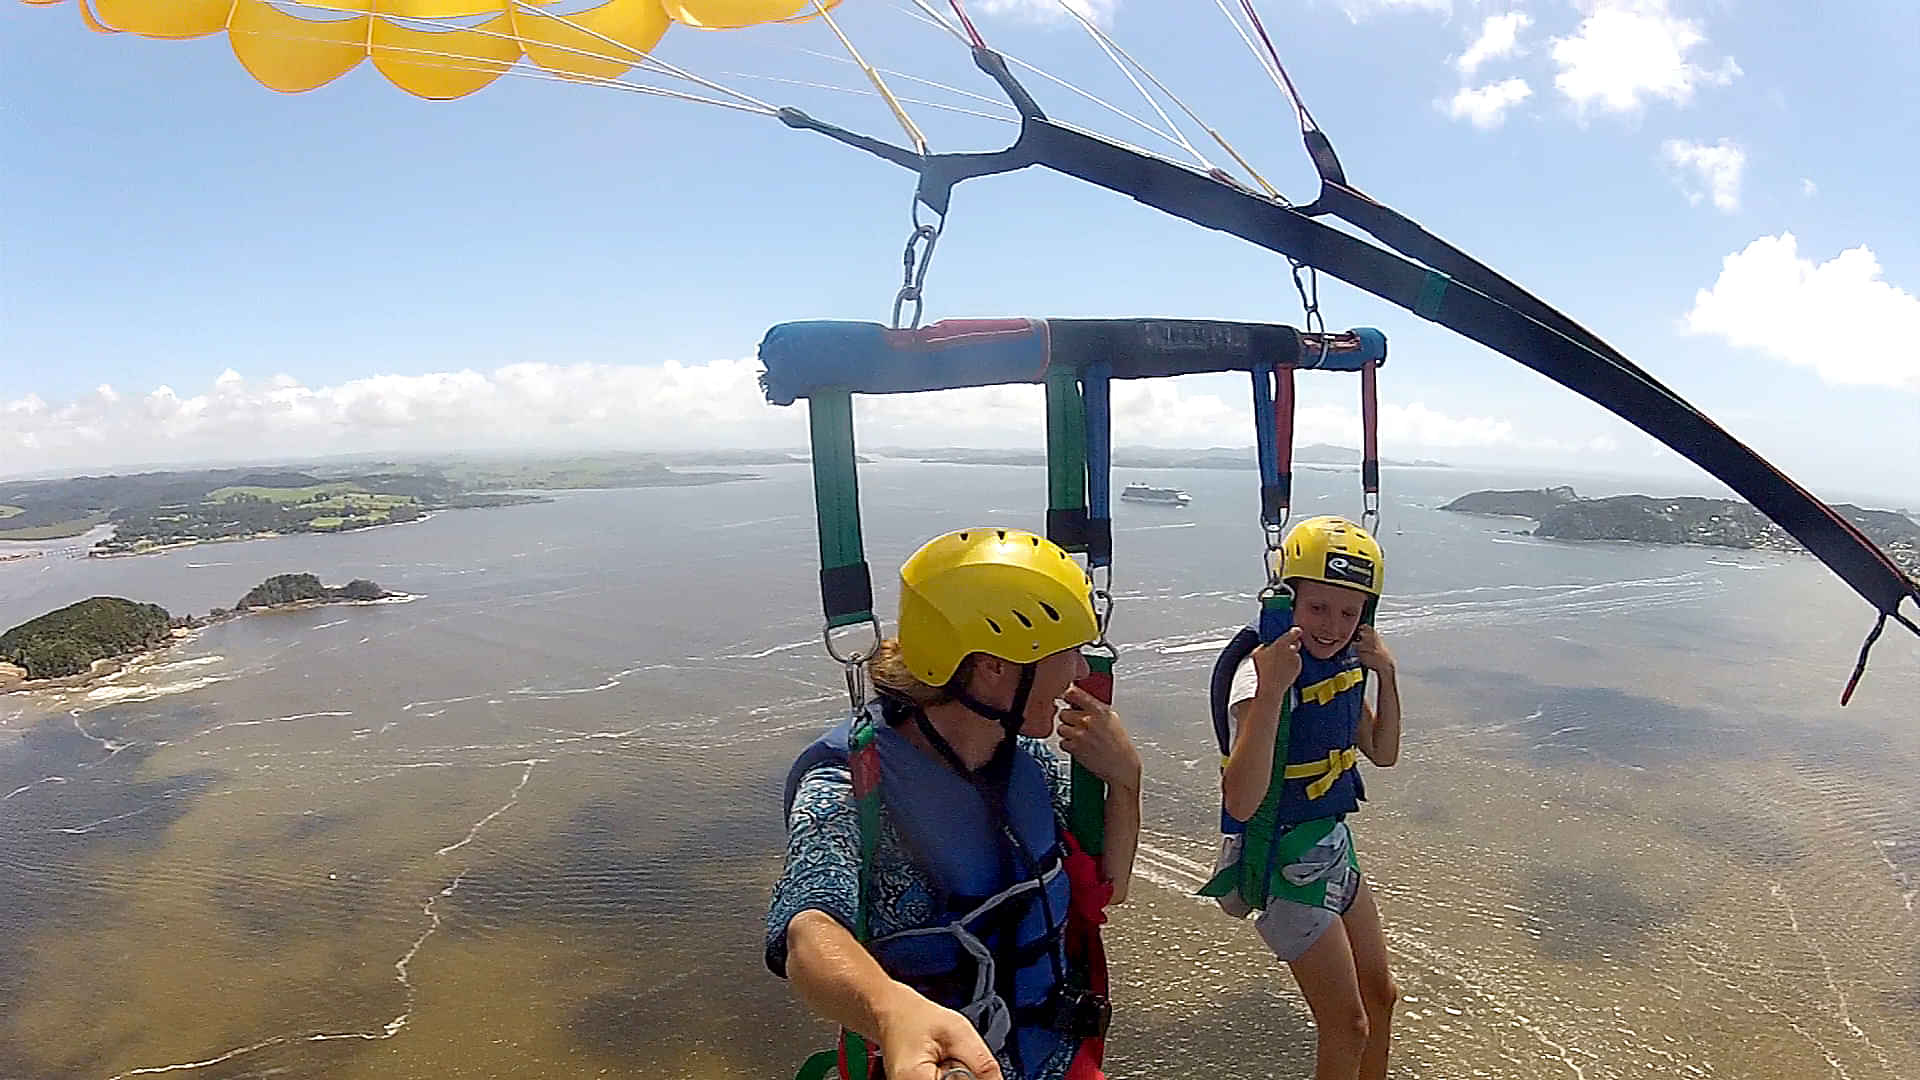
(1371, 651)
(1277, 664)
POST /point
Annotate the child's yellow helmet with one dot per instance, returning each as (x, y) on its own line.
(1336, 551)
(1004, 592)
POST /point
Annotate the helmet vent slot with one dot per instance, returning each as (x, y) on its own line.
(996, 626)
(1051, 613)
(1024, 621)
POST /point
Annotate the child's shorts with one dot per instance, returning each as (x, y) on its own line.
(1288, 927)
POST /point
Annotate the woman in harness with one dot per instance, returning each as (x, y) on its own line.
(942, 938)
(1291, 779)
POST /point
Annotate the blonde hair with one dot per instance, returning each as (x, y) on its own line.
(889, 672)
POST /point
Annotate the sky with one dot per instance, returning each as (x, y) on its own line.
(195, 268)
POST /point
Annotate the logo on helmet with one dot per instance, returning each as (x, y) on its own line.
(1350, 569)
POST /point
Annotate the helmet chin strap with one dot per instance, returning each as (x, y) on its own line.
(1011, 720)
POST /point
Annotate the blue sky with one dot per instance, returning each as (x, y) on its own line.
(195, 267)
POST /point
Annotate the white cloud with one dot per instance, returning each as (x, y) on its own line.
(1100, 11)
(1499, 38)
(1708, 171)
(1627, 52)
(1837, 317)
(539, 406)
(1360, 9)
(1808, 188)
(1486, 107)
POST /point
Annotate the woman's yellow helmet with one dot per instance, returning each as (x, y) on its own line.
(1004, 592)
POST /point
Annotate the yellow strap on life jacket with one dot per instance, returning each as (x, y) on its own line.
(1324, 691)
(1327, 769)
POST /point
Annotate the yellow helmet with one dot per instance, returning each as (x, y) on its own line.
(1004, 592)
(1335, 551)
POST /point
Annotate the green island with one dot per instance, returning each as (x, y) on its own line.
(159, 511)
(75, 640)
(1560, 513)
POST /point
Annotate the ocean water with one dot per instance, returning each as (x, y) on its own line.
(525, 823)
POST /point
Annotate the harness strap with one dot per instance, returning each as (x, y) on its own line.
(1066, 460)
(1099, 407)
(846, 586)
(1283, 408)
(1273, 500)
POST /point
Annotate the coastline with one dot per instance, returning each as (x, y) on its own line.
(107, 667)
(182, 545)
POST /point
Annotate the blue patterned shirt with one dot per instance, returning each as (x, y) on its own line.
(823, 871)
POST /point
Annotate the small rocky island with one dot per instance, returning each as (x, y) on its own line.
(89, 638)
(1561, 514)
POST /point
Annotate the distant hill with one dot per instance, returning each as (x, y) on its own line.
(1562, 514)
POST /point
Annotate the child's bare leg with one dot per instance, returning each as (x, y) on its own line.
(1326, 976)
(1378, 993)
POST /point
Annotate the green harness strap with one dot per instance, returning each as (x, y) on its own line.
(1067, 526)
(846, 587)
(863, 762)
(1066, 460)
(1266, 848)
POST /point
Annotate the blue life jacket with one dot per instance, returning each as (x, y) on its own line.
(985, 950)
(1323, 721)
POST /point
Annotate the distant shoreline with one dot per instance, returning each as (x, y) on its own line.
(107, 666)
(160, 549)
(1561, 514)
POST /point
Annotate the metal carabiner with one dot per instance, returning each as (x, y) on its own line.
(854, 663)
(913, 267)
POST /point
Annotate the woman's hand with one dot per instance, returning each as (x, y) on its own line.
(1091, 731)
(917, 1037)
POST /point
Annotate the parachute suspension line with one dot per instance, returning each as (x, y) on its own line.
(1306, 118)
(934, 18)
(519, 72)
(1107, 40)
(625, 55)
(930, 14)
(899, 111)
(1003, 118)
(1113, 54)
(905, 77)
(648, 60)
(1266, 64)
(973, 34)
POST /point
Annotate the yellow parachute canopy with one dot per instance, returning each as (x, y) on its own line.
(432, 48)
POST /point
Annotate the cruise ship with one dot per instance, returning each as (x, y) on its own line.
(1161, 495)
